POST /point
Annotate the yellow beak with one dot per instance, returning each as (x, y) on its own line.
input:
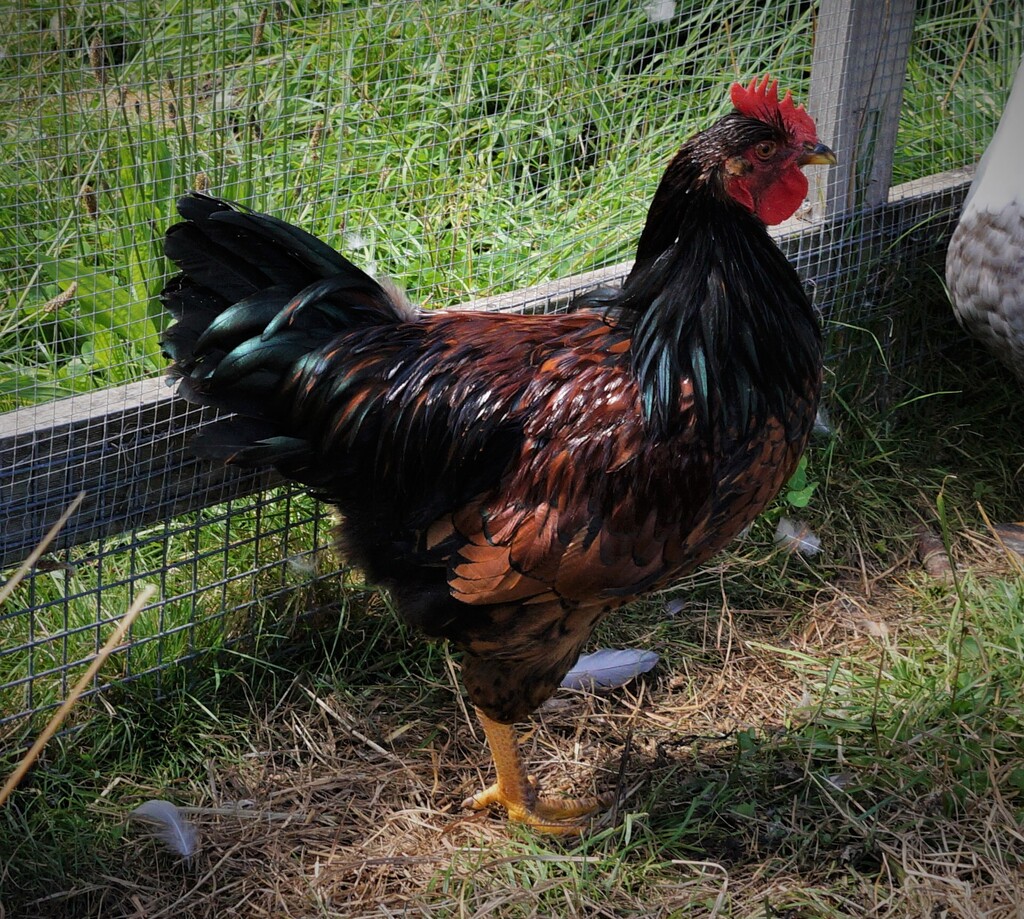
(817, 155)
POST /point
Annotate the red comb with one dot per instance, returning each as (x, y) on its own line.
(761, 100)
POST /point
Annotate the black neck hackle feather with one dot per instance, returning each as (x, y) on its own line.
(712, 298)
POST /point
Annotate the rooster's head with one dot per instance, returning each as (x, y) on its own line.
(764, 144)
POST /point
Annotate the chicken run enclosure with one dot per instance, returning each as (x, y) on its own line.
(467, 150)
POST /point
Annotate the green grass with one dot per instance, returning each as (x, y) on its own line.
(224, 574)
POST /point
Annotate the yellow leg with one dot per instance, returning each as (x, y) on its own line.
(517, 792)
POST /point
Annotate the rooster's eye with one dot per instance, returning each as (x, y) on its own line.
(765, 150)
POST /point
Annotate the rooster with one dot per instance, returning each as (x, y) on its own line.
(511, 480)
(985, 261)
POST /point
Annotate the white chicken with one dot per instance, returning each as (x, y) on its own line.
(985, 261)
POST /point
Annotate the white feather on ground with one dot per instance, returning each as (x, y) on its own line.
(169, 826)
(796, 536)
(608, 667)
(985, 261)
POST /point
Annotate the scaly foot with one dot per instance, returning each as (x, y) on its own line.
(546, 814)
(517, 792)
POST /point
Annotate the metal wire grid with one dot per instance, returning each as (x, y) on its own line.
(962, 63)
(209, 600)
(110, 122)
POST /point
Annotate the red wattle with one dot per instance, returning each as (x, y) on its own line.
(772, 202)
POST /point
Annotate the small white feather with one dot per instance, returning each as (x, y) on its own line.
(303, 565)
(822, 423)
(675, 606)
(840, 780)
(171, 827)
(609, 667)
(797, 537)
(660, 10)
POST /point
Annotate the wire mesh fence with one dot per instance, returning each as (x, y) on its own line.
(465, 150)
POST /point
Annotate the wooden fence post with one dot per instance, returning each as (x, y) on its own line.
(857, 73)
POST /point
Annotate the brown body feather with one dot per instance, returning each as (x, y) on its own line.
(592, 512)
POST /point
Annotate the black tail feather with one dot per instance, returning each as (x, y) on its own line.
(255, 296)
(274, 245)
